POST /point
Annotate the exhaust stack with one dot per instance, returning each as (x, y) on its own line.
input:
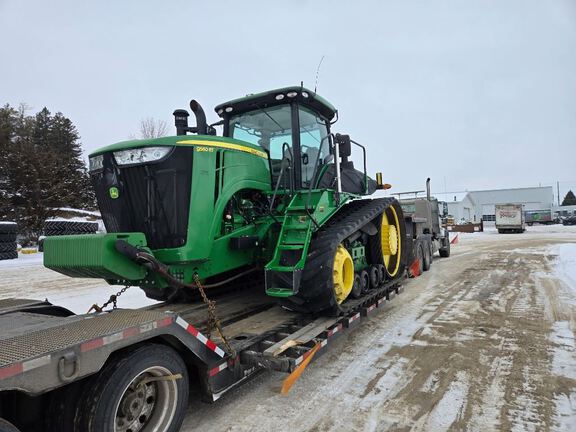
(428, 188)
(201, 128)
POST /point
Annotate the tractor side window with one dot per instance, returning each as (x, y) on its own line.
(313, 144)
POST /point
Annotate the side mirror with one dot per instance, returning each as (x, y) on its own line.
(344, 145)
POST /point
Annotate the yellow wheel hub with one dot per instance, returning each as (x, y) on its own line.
(390, 241)
(343, 274)
(389, 238)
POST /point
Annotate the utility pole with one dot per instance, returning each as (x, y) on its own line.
(558, 191)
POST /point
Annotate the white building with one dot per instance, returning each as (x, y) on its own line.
(475, 205)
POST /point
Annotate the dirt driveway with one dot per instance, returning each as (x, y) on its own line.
(483, 342)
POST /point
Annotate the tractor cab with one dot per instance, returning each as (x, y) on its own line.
(292, 125)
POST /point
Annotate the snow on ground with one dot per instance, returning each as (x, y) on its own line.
(483, 342)
(26, 277)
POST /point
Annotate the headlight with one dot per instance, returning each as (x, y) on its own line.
(140, 155)
(96, 162)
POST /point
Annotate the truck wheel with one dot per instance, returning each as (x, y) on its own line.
(420, 258)
(135, 393)
(445, 251)
(6, 426)
(426, 258)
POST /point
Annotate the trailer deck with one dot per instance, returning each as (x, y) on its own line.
(41, 351)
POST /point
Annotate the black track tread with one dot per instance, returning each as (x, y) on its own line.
(316, 292)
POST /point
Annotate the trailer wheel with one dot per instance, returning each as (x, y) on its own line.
(6, 426)
(138, 392)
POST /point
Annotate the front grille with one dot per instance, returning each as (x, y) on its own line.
(153, 198)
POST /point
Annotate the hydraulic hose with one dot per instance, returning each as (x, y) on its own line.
(151, 263)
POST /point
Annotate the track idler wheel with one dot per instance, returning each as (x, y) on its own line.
(387, 246)
(342, 274)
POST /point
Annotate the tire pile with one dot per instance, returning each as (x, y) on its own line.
(64, 227)
(8, 248)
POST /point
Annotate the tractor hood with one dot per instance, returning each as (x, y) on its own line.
(182, 140)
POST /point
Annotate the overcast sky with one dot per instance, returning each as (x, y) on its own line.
(475, 94)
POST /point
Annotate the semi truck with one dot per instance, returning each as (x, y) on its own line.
(510, 218)
(261, 245)
(424, 231)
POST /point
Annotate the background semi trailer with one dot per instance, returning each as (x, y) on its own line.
(543, 217)
(510, 218)
(271, 220)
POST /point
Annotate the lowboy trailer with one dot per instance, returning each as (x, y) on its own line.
(59, 370)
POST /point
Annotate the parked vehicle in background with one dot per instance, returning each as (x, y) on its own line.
(424, 232)
(510, 218)
(570, 220)
(543, 217)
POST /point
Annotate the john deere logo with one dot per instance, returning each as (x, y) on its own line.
(114, 193)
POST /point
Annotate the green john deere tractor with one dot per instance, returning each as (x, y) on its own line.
(275, 194)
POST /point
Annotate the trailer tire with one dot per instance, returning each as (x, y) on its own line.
(6, 426)
(118, 395)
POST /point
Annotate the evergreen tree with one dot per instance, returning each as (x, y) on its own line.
(569, 199)
(41, 168)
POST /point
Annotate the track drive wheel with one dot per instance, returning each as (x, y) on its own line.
(387, 246)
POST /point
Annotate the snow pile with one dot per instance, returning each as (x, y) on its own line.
(566, 264)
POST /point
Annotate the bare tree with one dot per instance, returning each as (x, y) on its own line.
(152, 128)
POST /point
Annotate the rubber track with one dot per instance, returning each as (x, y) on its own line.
(316, 291)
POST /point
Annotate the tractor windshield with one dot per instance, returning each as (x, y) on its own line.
(270, 128)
